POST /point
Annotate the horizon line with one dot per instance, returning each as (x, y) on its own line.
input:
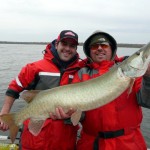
(80, 44)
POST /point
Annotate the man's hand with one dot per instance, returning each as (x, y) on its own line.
(8, 102)
(60, 114)
(3, 126)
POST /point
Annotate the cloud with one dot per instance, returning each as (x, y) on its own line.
(39, 20)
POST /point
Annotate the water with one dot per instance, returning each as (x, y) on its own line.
(14, 56)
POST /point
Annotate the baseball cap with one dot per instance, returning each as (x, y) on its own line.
(68, 34)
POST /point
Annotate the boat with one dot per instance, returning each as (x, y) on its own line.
(5, 143)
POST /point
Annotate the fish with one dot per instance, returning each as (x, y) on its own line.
(82, 96)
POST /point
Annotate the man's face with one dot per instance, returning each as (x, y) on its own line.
(100, 52)
(66, 49)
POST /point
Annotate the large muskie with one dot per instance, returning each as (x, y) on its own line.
(82, 96)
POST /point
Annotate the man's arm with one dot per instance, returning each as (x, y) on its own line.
(8, 102)
(143, 96)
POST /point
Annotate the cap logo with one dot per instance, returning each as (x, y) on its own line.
(102, 39)
(70, 33)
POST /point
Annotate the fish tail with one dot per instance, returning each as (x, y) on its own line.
(10, 121)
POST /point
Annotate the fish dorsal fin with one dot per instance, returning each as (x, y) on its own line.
(35, 125)
(28, 96)
(75, 117)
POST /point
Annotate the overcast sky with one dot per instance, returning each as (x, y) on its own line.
(128, 21)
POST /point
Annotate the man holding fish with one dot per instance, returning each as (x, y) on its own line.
(116, 125)
(58, 67)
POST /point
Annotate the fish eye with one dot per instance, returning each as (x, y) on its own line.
(137, 53)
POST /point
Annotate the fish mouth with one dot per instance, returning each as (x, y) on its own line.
(137, 68)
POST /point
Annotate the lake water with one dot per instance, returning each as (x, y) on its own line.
(14, 56)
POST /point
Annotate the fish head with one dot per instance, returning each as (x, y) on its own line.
(145, 52)
(137, 64)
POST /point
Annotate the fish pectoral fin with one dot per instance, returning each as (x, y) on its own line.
(28, 96)
(75, 117)
(35, 125)
(131, 85)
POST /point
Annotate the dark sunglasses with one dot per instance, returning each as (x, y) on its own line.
(96, 46)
